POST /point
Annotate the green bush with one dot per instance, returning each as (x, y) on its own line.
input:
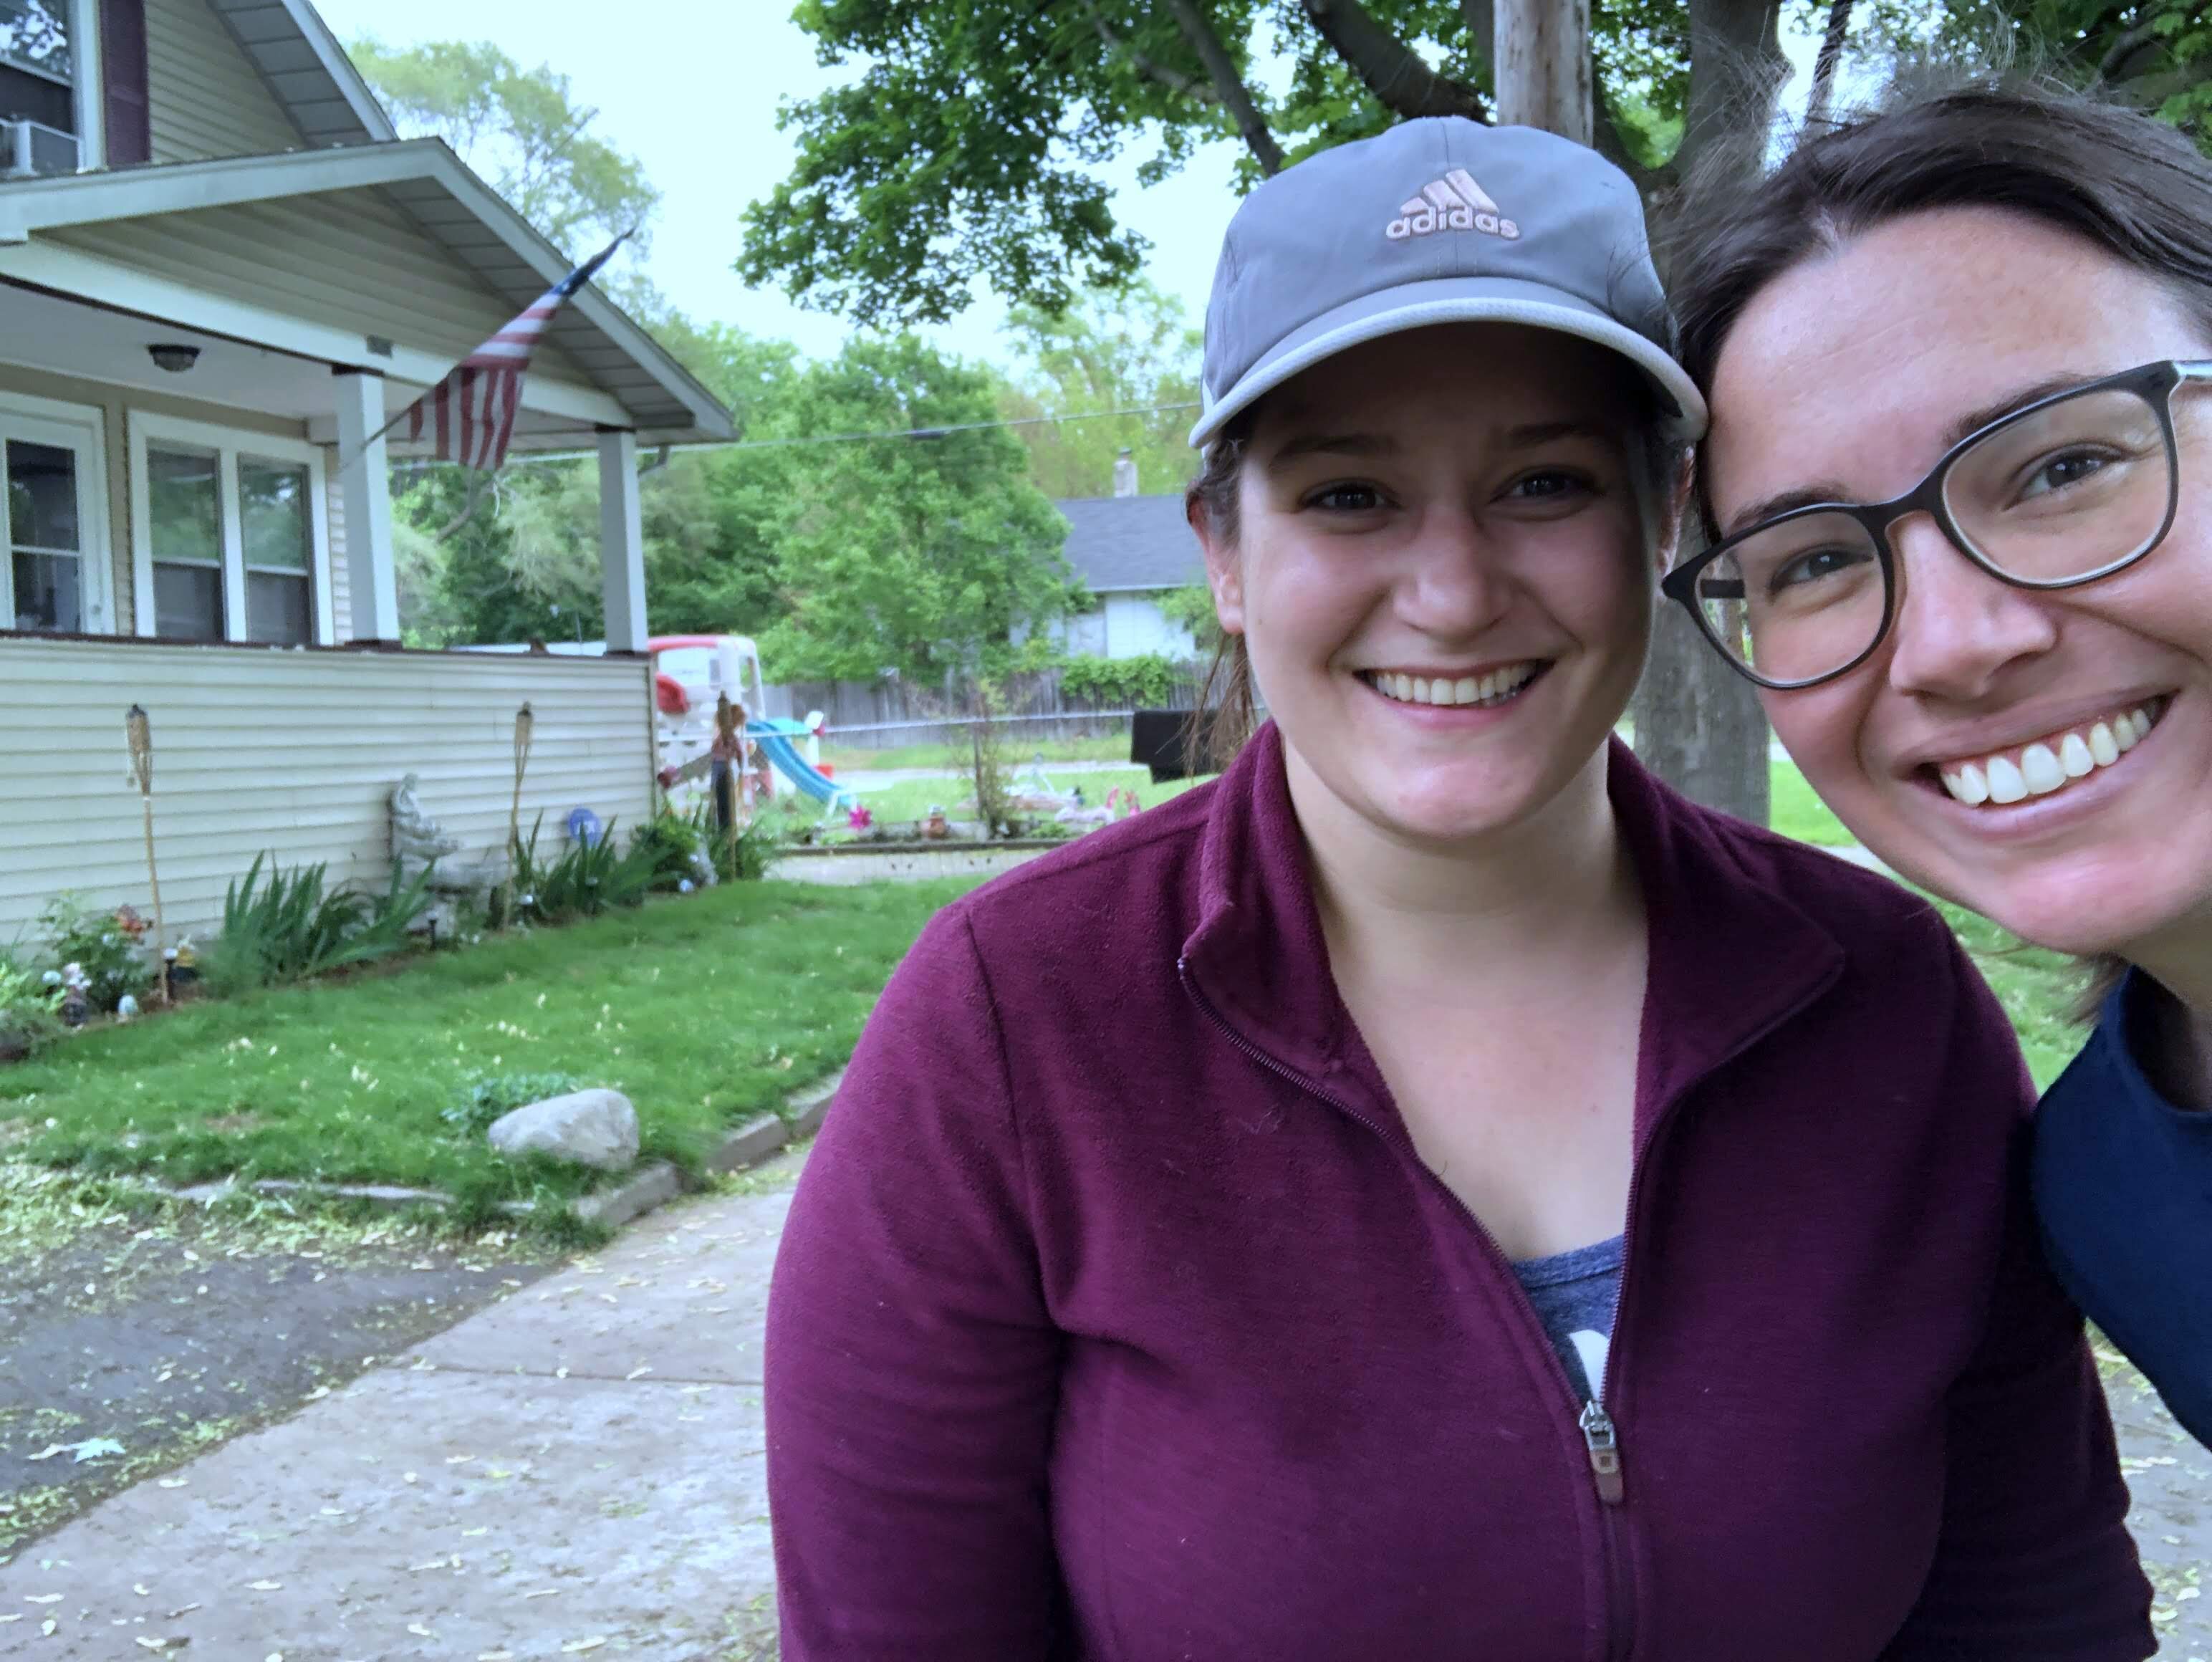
(98, 945)
(583, 881)
(674, 845)
(27, 1006)
(1145, 682)
(292, 928)
(489, 1096)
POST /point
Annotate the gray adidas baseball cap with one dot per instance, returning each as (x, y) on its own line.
(1438, 221)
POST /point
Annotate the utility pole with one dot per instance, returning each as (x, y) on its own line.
(1698, 725)
(1542, 58)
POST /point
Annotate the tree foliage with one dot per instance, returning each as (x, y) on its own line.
(965, 149)
(521, 130)
(1134, 351)
(921, 555)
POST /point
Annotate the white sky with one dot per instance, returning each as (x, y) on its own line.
(694, 98)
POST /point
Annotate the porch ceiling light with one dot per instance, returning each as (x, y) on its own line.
(174, 356)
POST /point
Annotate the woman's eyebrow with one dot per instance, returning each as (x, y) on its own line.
(1785, 501)
(1526, 437)
(1974, 420)
(1343, 444)
(1962, 428)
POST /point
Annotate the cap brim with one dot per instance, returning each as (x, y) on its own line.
(1459, 299)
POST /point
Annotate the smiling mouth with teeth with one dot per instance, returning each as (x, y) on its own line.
(1497, 687)
(2052, 762)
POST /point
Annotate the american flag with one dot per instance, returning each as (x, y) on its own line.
(471, 413)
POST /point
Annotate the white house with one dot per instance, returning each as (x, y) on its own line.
(220, 274)
(1130, 550)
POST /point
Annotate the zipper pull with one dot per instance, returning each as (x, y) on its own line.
(1604, 1444)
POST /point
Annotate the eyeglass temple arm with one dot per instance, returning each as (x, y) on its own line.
(2195, 368)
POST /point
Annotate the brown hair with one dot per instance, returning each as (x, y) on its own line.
(1227, 713)
(2131, 186)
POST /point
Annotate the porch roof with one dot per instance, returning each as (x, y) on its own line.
(641, 384)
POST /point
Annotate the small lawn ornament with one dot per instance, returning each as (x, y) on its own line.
(183, 964)
(125, 1007)
(76, 997)
(936, 827)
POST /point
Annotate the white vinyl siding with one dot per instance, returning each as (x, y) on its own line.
(348, 259)
(294, 752)
(204, 97)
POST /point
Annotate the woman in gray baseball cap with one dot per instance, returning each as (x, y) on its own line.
(1433, 1192)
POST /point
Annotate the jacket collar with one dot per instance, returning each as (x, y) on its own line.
(1731, 955)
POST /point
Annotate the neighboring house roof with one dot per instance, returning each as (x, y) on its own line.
(1119, 544)
(308, 70)
(435, 189)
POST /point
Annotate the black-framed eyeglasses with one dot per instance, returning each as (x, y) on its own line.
(2072, 488)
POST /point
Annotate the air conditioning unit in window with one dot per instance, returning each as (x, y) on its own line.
(32, 148)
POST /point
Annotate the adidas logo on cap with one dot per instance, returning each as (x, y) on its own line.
(1454, 203)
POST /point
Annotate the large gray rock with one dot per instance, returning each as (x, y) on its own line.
(588, 1127)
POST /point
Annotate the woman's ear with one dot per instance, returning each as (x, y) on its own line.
(1225, 571)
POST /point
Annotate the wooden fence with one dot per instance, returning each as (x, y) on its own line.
(888, 713)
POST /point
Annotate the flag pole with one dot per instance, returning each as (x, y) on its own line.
(567, 287)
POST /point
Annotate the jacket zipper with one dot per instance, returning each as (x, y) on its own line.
(1600, 1437)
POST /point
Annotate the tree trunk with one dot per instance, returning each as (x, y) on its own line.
(1542, 60)
(1698, 724)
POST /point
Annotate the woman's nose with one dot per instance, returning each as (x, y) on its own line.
(1453, 584)
(1957, 627)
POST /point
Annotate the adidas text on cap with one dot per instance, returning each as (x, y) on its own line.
(1438, 221)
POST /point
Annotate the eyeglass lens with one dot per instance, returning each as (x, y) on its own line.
(2063, 493)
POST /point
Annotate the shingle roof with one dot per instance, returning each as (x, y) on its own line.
(1122, 543)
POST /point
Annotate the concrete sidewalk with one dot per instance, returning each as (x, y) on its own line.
(576, 1471)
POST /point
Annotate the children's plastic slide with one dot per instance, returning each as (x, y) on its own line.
(775, 744)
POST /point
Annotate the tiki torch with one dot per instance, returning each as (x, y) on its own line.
(140, 733)
(524, 723)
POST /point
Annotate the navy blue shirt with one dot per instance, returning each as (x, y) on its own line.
(2124, 1183)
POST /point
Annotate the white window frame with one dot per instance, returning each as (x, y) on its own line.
(87, 86)
(84, 427)
(228, 444)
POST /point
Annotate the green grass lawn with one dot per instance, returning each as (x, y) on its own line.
(1114, 747)
(2036, 988)
(705, 1011)
(910, 798)
(1796, 812)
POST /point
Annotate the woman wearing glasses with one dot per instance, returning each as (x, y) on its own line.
(1961, 474)
(1433, 1193)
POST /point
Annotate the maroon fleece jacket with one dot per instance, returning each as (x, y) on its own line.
(1117, 1318)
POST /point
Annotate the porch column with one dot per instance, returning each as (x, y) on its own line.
(365, 491)
(622, 540)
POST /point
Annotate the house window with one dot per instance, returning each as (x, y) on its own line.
(231, 539)
(280, 551)
(185, 519)
(62, 86)
(52, 532)
(37, 76)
